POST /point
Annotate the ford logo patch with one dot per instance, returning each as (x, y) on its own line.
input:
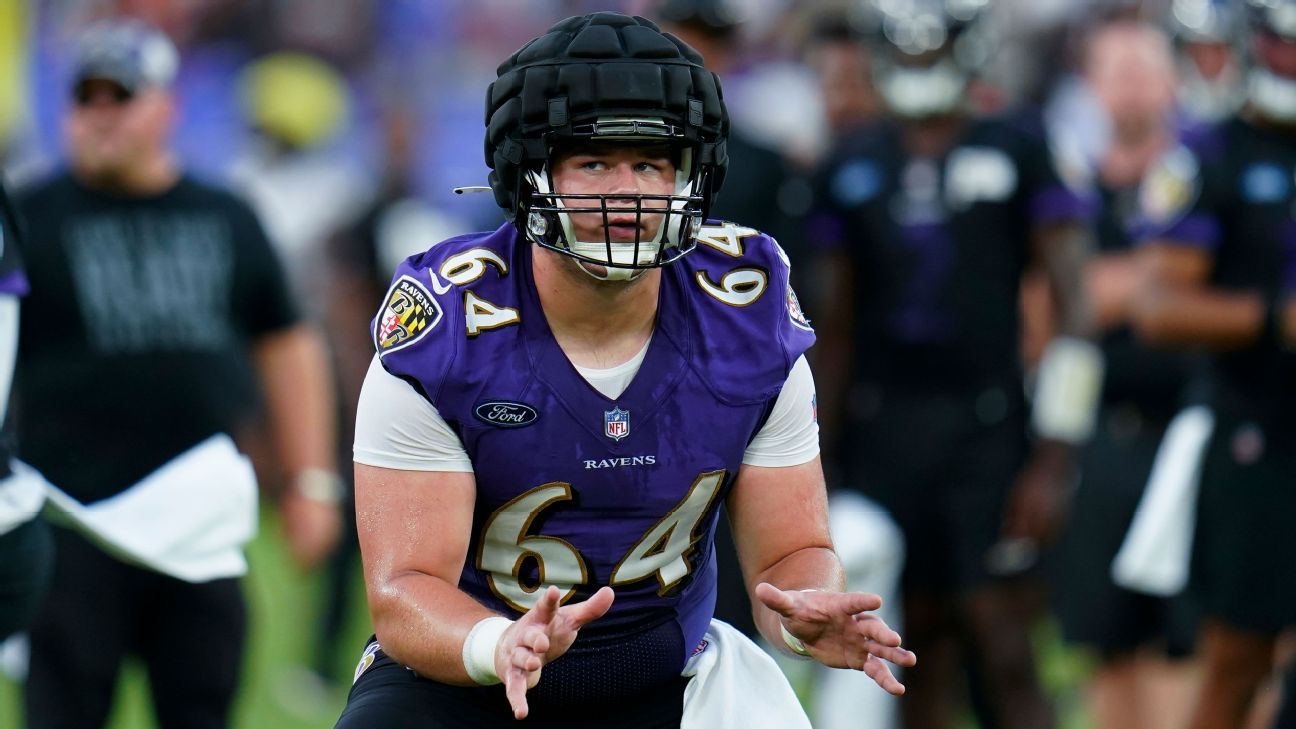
(504, 414)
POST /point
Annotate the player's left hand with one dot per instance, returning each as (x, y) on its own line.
(839, 632)
(311, 528)
(1038, 504)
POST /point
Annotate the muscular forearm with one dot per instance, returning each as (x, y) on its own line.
(295, 377)
(1111, 281)
(812, 568)
(1066, 253)
(1183, 316)
(421, 621)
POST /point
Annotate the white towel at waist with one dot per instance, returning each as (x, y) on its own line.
(188, 519)
(736, 684)
(1157, 552)
(21, 496)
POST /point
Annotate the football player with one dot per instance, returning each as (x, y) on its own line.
(1219, 271)
(1210, 72)
(557, 409)
(934, 215)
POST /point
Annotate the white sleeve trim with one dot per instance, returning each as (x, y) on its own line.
(397, 428)
(791, 435)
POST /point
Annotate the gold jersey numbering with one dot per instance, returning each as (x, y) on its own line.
(662, 552)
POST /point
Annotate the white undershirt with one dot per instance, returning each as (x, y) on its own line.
(397, 428)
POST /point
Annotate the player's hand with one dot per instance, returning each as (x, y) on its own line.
(838, 631)
(539, 637)
(311, 528)
(1038, 504)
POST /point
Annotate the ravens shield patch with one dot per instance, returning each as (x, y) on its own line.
(1170, 187)
(408, 313)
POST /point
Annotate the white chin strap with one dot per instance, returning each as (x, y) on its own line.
(920, 92)
(623, 253)
(1273, 96)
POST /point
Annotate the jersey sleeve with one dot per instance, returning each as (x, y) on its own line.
(263, 300)
(398, 428)
(749, 323)
(13, 279)
(790, 436)
(413, 332)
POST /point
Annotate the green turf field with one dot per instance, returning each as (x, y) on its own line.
(282, 612)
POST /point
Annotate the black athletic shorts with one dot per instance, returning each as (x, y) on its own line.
(388, 695)
(1244, 549)
(26, 561)
(1093, 610)
(1287, 712)
(943, 464)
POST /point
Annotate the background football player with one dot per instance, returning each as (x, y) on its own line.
(933, 217)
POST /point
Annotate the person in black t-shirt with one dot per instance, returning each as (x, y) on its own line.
(1220, 267)
(156, 306)
(933, 217)
(25, 544)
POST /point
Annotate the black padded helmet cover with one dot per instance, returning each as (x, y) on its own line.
(593, 67)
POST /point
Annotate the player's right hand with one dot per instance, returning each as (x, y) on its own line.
(541, 636)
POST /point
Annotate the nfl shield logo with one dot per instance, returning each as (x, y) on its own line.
(616, 423)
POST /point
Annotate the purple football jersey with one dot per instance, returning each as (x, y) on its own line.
(578, 490)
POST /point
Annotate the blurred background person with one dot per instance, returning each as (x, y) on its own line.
(837, 51)
(932, 218)
(1207, 34)
(1217, 274)
(303, 187)
(1128, 66)
(26, 548)
(167, 298)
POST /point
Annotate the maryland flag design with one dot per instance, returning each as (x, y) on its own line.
(410, 312)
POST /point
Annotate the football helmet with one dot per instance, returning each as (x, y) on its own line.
(927, 52)
(1271, 79)
(605, 77)
(1206, 36)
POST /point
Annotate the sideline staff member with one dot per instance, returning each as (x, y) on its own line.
(155, 298)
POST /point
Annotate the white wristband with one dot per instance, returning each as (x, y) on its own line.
(479, 649)
(319, 485)
(1067, 390)
(794, 643)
